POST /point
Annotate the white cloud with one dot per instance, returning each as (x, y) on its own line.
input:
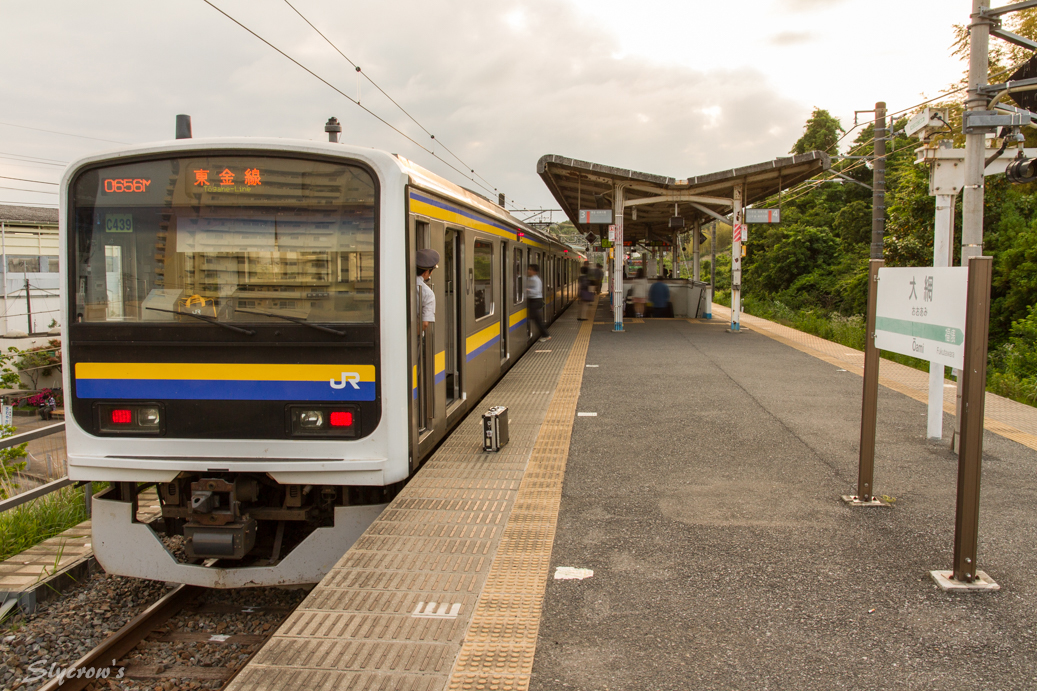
(499, 93)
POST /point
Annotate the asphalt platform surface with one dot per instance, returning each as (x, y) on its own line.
(705, 496)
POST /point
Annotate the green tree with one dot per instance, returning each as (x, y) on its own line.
(821, 133)
(38, 362)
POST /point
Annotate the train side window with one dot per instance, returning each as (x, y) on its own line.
(483, 265)
(520, 278)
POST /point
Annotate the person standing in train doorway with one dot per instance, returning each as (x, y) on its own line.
(535, 295)
(427, 260)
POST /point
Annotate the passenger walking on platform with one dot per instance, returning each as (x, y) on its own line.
(639, 293)
(535, 295)
(598, 277)
(585, 294)
(427, 260)
(659, 296)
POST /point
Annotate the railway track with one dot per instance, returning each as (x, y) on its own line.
(191, 637)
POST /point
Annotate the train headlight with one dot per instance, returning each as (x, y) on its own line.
(324, 421)
(311, 419)
(148, 417)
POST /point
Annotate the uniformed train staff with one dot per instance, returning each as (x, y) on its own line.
(427, 260)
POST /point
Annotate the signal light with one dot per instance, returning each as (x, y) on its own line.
(130, 418)
(315, 421)
(341, 418)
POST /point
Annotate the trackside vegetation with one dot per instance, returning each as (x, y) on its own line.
(810, 271)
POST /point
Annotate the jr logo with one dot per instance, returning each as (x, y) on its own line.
(350, 378)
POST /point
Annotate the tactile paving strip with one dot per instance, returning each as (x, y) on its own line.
(501, 640)
(447, 583)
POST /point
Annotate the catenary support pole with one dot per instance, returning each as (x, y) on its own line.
(970, 457)
(943, 251)
(618, 297)
(3, 251)
(869, 405)
(878, 199)
(696, 256)
(736, 259)
(975, 159)
(28, 307)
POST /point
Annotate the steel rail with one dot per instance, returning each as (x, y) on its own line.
(116, 646)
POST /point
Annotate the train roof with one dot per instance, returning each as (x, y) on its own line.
(419, 176)
(430, 182)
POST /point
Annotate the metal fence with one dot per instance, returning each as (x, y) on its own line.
(45, 460)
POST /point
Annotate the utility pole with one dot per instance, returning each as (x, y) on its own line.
(28, 306)
(878, 199)
(975, 158)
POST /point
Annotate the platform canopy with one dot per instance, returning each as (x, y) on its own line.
(581, 185)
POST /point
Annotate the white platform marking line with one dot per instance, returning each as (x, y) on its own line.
(586, 415)
(445, 611)
(571, 573)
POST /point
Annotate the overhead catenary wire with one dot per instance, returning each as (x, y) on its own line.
(382, 91)
(40, 182)
(352, 100)
(22, 189)
(31, 162)
(66, 134)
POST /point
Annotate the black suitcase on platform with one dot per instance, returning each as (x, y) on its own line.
(495, 428)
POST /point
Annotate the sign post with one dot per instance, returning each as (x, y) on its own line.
(616, 235)
(869, 405)
(964, 574)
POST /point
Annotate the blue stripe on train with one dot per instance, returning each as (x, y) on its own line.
(222, 390)
(483, 348)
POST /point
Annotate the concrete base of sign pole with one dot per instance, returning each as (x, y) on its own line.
(739, 330)
(854, 500)
(945, 581)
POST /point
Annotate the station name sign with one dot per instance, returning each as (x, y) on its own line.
(920, 311)
(595, 215)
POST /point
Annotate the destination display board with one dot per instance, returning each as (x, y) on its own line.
(763, 215)
(920, 311)
(595, 215)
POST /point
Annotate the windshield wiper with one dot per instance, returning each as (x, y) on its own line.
(211, 320)
(296, 320)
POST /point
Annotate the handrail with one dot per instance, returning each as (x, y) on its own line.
(25, 497)
(17, 439)
(42, 490)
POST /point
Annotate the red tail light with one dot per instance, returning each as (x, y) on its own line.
(121, 416)
(341, 418)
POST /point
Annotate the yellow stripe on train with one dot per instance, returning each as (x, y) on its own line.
(219, 371)
(482, 337)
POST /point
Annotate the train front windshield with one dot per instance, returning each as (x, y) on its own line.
(232, 238)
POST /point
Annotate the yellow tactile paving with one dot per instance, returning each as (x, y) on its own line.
(501, 640)
(1003, 416)
(458, 560)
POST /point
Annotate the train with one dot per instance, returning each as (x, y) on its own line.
(242, 334)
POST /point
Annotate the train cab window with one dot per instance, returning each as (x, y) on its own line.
(483, 288)
(232, 238)
(520, 278)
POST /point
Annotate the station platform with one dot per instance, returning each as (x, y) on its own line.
(668, 516)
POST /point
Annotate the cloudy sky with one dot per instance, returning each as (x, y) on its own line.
(674, 87)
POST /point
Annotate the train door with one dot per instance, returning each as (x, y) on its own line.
(453, 292)
(529, 323)
(425, 393)
(505, 313)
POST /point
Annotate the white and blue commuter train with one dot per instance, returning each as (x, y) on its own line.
(241, 333)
